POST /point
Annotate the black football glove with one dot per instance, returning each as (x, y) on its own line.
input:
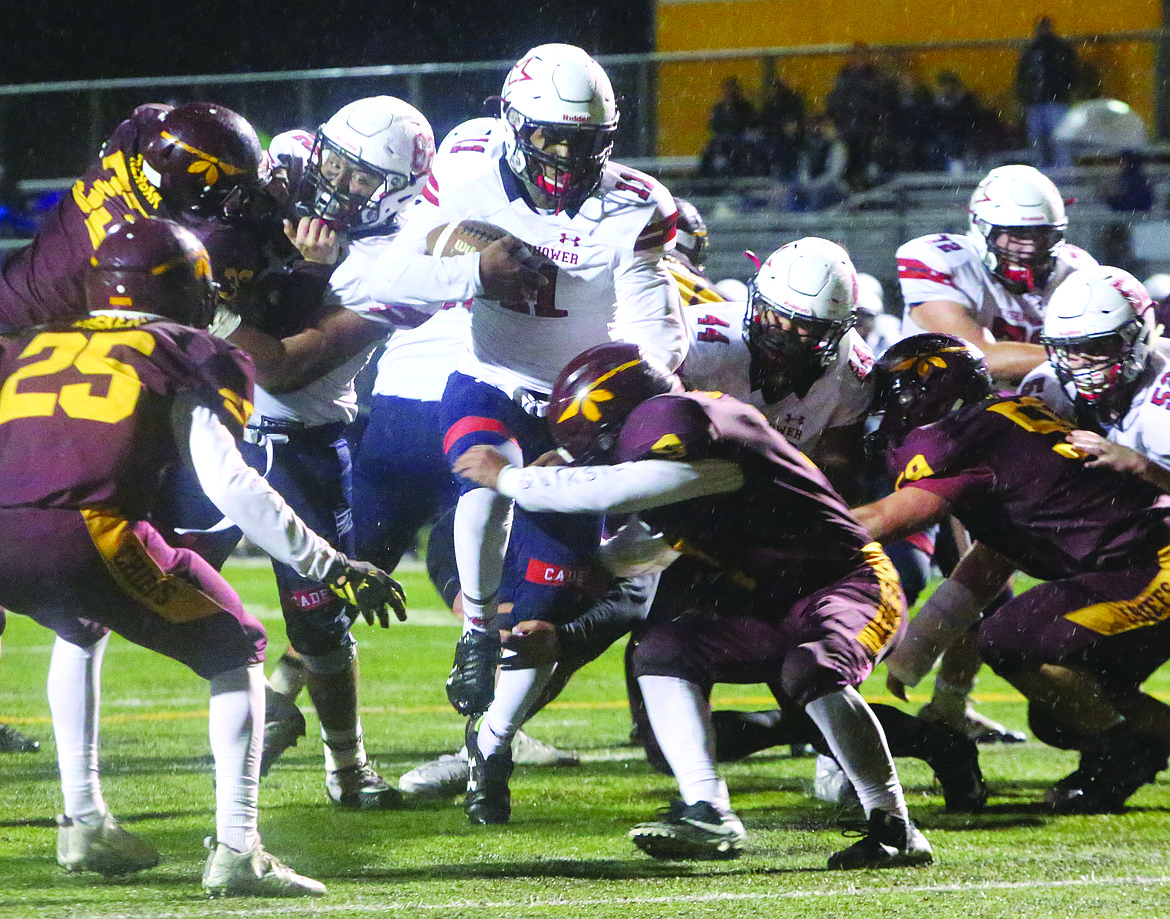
(368, 588)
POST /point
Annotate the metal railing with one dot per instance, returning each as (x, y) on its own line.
(54, 129)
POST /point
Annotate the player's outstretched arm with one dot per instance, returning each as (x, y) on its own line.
(245, 498)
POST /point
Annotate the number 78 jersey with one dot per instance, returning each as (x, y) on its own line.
(603, 264)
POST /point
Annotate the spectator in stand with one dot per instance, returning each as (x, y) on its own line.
(732, 149)
(959, 119)
(859, 105)
(1047, 78)
(782, 124)
(820, 179)
(909, 139)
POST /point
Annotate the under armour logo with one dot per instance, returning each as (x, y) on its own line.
(566, 239)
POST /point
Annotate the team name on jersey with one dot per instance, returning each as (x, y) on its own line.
(567, 258)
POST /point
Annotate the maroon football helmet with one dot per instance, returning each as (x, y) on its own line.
(595, 393)
(205, 157)
(922, 378)
(152, 266)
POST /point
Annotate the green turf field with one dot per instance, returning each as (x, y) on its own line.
(565, 854)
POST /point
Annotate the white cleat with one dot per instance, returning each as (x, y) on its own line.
(255, 873)
(103, 847)
(445, 777)
(528, 751)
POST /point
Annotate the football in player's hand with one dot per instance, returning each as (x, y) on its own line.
(462, 238)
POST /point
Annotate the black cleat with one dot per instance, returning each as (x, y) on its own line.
(12, 741)
(1110, 771)
(284, 725)
(889, 842)
(361, 788)
(472, 681)
(488, 798)
(690, 831)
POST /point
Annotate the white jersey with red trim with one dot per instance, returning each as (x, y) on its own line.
(332, 397)
(603, 262)
(1145, 427)
(719, 361)
(947, 266)
(416, 362)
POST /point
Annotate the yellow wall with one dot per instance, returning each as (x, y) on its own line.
(687, 90)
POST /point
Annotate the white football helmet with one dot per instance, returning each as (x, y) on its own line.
(870, 295)
(800, 303)
(1017, 222)
(368, 162)
(559, 105)
(1098, 329)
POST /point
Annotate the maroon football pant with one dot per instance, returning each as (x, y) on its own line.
(1116, 624)
(802, 649)
(81, 573)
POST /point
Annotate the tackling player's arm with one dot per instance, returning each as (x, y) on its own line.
(1111, 455)
(1008, 361)
(287, 364)
(902, 513)
(949, 612)
(623, 488)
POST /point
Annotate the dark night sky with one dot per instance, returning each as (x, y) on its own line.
(67, 40)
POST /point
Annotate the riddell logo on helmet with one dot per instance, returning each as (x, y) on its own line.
(575, 118)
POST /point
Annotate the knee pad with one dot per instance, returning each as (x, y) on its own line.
(333, 662)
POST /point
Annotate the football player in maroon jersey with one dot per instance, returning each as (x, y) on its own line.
(785, 587)
(92, 414)
(1078, 646)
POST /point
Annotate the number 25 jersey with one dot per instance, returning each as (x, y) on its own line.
(86, 409)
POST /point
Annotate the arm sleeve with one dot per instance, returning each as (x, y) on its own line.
(624, 488)
(624, 605)
(246, 499)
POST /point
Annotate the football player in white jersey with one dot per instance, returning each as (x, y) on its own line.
(795, 355)
(347, 182)
(1104, 374)
(582, 265)
(989, 287)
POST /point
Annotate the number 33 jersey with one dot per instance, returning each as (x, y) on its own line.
(86, 409)
(603, 263)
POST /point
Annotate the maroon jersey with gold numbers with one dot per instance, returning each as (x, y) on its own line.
(1020, 488)
(45, 281)
(786, 530)
(86, 408)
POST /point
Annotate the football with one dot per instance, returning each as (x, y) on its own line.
(462, 238)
